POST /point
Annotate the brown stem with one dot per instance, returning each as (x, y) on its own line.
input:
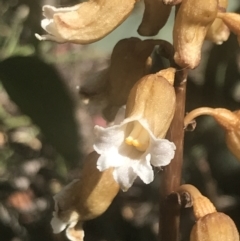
(171, 176)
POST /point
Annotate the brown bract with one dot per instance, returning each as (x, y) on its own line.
(193, 19)
(89, 22)
(155, 16)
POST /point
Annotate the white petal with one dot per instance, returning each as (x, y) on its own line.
(107, 138)
(49, 26)
(162, 152)
(57, 224)
(144, 170)
(49, 11)
(110, 158)
(124, 176)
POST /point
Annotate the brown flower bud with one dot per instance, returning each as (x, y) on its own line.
(84, 198)
(232, 20)
(86, 22)
(214, 227)
(193, 19)
(229, 121)
(155, 17)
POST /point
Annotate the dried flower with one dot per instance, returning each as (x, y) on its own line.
(229, 121)
(83, 199)
(86, 22)
(136, 143)
(154, 18)
(193, 19)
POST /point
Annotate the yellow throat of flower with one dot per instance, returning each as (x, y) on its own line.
(139, 137)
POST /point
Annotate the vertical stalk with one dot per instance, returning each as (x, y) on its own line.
(171, 177)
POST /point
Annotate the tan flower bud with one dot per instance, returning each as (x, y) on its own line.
(193, 19)
(201, 204)
(155, 17)
(214, 227)
(230, 121)
(232, 20)
(84, 198)
(211, 225)
(86, 22)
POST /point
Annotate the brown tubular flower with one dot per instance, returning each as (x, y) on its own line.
(86, 22)
(155, 17)
(84, 198)
(193, 19)
(130, 61)
(218, 31)
(210, 224)
(232, 20)
(229, 121)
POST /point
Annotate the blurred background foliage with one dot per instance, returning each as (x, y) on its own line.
(45, 130)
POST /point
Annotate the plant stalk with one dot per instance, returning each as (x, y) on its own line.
(169, 219)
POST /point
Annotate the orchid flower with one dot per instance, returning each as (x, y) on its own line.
(137, 143)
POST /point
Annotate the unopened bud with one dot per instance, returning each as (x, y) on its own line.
(214, 227)
(193, 19)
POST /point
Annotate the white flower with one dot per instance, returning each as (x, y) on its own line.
(131, 160)
(137, 143)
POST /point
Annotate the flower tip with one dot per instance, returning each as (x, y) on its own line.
(57, 225)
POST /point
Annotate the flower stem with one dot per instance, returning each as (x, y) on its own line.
(171, 177)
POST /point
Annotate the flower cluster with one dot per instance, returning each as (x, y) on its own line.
(130, 149)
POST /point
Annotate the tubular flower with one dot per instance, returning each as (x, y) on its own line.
(136, 143)
(83, 199)
(86, 22)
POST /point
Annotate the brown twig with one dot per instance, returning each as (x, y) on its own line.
(171, 176)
